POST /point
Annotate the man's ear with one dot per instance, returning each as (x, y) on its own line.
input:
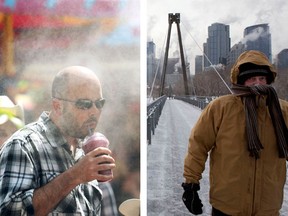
(57, 106)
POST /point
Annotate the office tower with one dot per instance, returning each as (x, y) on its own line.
(198, 64)
(235, 52)
(282, 60)
(151, 62)
(258, 37)
(217, 46)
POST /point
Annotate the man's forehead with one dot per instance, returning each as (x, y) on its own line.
(84, 90)
(79, 79)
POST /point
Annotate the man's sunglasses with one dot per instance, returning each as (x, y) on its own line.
(86, 103)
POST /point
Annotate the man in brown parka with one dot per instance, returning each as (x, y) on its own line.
(246, 136)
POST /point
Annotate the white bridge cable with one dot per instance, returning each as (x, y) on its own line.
(206, 57)
(186, 59)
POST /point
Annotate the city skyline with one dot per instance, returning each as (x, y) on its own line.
(197, 15)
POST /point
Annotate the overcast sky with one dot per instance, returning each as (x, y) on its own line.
(197, 15)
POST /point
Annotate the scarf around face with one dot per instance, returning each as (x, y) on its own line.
(249, 93)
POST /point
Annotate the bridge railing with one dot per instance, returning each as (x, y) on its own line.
(198, 101)
(154, 111)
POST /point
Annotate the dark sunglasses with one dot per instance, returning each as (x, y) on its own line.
(86, 103)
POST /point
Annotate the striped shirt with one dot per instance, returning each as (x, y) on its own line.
(31, 158)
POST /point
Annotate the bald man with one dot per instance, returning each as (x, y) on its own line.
(43, 170)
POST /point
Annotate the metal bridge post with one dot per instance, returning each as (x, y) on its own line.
(174, 18)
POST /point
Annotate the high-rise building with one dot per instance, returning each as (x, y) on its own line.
(151, 62)
(198, 64)
(235, 52)
(282, 60)
(258, 37)
(217, 46)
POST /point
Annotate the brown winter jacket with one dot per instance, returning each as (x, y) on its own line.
(239, 183)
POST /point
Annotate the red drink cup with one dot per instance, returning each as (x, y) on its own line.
(95, 141)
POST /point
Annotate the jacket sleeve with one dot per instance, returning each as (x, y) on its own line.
(201, 141)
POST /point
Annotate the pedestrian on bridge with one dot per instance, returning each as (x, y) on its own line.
(246, 137)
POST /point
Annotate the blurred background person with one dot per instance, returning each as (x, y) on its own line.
(11, 118)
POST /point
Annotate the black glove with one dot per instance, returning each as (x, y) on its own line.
(191, 198)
